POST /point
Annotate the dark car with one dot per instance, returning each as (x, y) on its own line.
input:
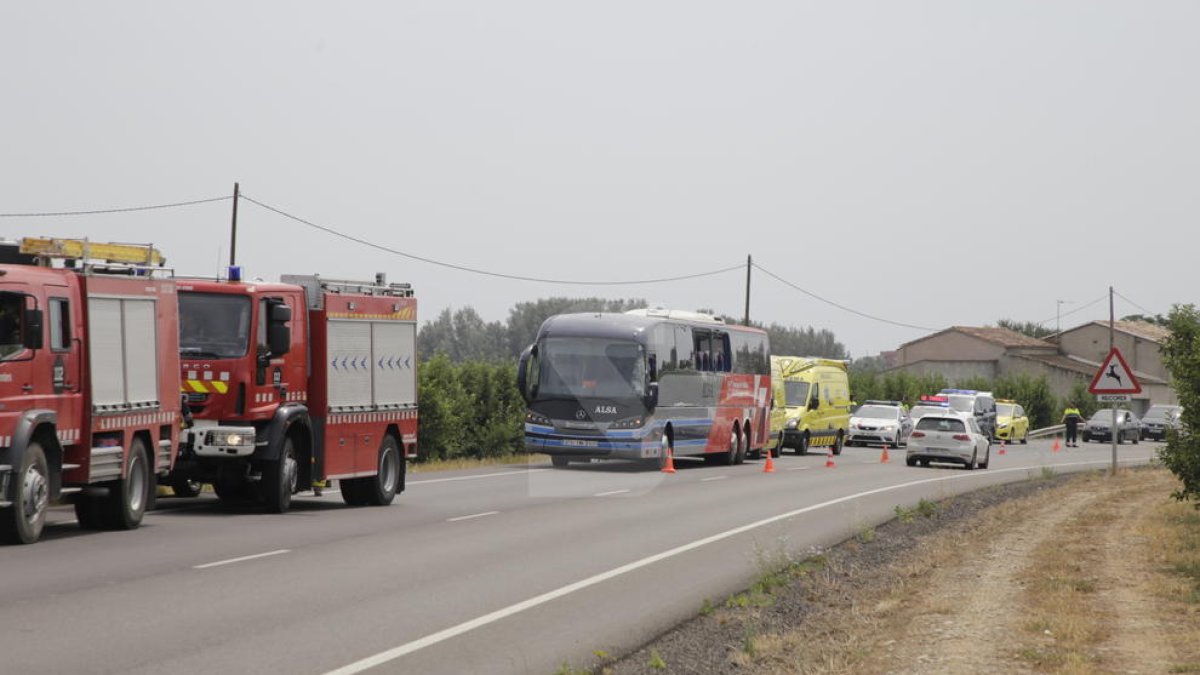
(1099, 427)
(1159, 419)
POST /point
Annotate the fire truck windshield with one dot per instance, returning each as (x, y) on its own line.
(591, 368)
(213, 325)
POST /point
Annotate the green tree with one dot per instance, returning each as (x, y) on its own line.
(463, 335)
(443, 407)
(1033, 394)
(1181, 355)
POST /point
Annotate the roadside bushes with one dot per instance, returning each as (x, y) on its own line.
(1181, 355)
(470, 409)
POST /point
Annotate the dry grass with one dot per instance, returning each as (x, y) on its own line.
(1172, 552)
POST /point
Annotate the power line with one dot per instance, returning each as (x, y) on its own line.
(838, 305)
(126, 209)
(1144, 310)
(1077, 309)
(473, 270)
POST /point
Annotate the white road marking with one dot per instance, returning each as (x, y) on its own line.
(473, 515)
(705, 480)
(503, 613)
(800, 468)
(241, 559)
(611, 492)
(485, 475)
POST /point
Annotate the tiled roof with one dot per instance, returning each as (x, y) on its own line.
(1002, 336)
(1142, 329)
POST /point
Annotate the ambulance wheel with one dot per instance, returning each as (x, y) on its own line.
(186, 488)
(802, 449)
(279, 478)
(837, 444)
(129, 497)
(380, 489)
(22, 523)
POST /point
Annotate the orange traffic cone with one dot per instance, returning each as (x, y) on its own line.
(1056, 447)
(883, 458)
(1002, 450)
(829, 461)
(669, 466)
(769, 467)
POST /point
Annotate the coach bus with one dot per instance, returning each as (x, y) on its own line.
(644, 383)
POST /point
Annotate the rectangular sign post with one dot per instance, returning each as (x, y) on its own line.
(1113, 383)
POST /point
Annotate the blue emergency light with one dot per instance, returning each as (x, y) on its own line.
(235, 272)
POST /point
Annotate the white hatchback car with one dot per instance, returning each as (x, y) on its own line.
(949, 438)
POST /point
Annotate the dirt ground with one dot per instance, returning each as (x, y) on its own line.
(1056, 574)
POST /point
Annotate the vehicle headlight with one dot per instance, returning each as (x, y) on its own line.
(629, 423)
(534, 418)
(230, 437)
(1004, 425)
(792, 423)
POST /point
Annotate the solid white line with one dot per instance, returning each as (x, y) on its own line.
(486, 475)
(245, 557)
(705, 480)
(610, 493)
(473, 515)
(454, 631)
(800, 468)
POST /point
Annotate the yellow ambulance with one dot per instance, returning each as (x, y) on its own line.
(811, 404)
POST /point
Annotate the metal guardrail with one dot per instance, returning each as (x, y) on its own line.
(1047, 431)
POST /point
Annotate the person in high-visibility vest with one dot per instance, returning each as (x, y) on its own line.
(1071, 418)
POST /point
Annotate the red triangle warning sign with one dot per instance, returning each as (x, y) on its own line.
(1115, 376)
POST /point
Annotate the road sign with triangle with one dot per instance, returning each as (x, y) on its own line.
(1115, 376)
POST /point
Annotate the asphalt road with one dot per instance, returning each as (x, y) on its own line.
(502, 570)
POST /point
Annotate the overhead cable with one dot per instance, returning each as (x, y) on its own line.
(1144, 310)
(474, 270)
(126, 209)
(838, 305)
(1077, 309)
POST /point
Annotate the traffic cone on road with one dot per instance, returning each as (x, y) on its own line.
(1002, 450)
(769, 467)
(883, 457)
(829, 461)
(1057, 446)
(669, 466)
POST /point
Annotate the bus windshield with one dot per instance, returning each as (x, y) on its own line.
(213, 325)
(591, 368)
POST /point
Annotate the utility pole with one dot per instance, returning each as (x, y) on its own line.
(746, 318)
(1111, 344)
(233, 228)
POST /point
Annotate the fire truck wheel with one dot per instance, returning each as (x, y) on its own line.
(380, 489)
(353, 492)
(128, 497)
(232, 489)
(22, 522)
(280, 478)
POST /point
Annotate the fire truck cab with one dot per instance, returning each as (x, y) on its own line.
(297, 383)
(89, 404)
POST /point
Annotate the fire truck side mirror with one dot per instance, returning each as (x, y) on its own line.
(32, 339)
(279, 335)
(279, 339)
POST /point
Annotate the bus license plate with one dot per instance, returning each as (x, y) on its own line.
(580, 444)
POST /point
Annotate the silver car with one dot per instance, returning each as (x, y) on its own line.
(1099, 427)
(1159, 419)
(879, 422)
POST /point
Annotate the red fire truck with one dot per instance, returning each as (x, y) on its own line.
(297, 383)
(89, 398)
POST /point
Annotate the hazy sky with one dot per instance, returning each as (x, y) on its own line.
(931, 163)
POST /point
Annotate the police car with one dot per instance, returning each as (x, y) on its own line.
(879, 422)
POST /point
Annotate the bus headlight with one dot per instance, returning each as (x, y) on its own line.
(534, 418)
